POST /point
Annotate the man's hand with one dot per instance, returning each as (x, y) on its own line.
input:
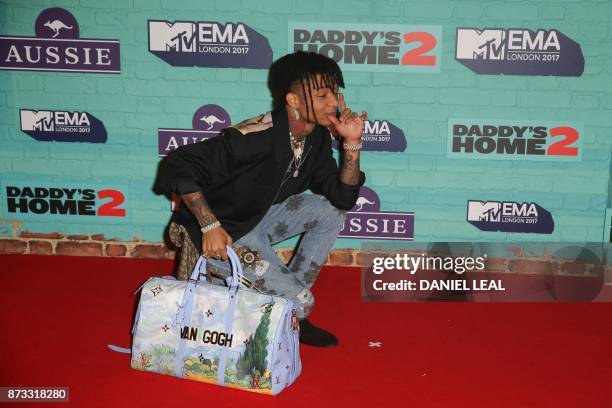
(349, 126)
(215, 242)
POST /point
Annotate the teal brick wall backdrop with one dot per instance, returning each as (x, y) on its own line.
(150, 94)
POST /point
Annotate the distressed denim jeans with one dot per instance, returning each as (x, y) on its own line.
(308, 214)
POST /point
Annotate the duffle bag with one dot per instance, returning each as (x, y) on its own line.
(230, 336)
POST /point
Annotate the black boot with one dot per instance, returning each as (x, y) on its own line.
(314, 336)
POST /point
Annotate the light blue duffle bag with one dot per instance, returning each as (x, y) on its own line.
(230, 336)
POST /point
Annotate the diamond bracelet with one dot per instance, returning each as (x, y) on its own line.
(210, 227)
(353, 147)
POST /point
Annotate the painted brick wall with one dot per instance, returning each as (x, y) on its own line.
(150, 94)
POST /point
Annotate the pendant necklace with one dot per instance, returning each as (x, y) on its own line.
(298, 150)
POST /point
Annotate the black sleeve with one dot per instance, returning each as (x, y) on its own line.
(326, 178)
(195, 167)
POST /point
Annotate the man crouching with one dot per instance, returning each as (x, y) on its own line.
(245, 187)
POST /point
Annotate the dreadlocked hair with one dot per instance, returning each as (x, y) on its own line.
(302, 68)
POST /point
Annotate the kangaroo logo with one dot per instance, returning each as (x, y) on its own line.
(361, 201)
(366, 220)
(206, 122)
(210, 120)
(59, 48)
(56, 26)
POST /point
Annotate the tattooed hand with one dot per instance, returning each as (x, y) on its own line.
(349, 125)
(214, 242)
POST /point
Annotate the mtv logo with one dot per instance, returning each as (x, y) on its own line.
(475, 44)
(36, 121)
(177, 37)
(484, 211)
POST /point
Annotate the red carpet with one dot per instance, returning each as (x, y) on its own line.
(59, 314)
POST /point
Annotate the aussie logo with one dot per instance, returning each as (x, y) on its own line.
(208, 44)
(207, 122)
(509, 216)
(519, 52)
(57, 47)
(380, 136)
(371, 47)
(62, 126)
(46, 200)
(515, 140)
(365, 220)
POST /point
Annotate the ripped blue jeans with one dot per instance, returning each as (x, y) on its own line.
(308, 214)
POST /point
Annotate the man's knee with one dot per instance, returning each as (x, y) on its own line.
(327, 214)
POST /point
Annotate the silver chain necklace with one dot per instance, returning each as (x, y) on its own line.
(298, 150)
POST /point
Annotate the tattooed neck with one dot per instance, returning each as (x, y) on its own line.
(299, 128)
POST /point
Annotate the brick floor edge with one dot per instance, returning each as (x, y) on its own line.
(98, 245)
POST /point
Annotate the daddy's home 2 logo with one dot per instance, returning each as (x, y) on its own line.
(380, 136)
(207, 122)
(62, 126)
(514, 140)
(509, 216)
(27, 200)
(518, 52)
(365, 220)
(208, 44)
(371, 47)
(57, 47)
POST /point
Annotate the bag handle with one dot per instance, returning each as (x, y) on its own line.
(200, 268)
(185, 308)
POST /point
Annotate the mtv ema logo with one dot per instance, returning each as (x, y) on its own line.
(57, 47)
(62, 126)
(365, 220)
(508, 216)
(207, 122)
(372, 47)
(515, 139)
(380, 136)
(519, 52)
(208, 44)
